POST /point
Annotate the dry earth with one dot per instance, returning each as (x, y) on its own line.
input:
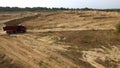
(64, 39)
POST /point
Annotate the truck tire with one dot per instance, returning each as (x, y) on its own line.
(10, 32)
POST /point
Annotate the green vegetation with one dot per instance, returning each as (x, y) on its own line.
(118, 27)
(32, 9)
(50, 9)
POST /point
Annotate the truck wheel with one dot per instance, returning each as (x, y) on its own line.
(8, 32)
(14, 32)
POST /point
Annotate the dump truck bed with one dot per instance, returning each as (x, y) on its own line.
(10, 28)
(14, 29)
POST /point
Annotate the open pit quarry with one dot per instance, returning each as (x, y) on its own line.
(61, 39)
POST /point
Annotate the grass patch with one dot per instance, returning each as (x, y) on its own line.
(118, 27)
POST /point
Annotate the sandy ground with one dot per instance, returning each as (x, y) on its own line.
(67, 39)
(33, 52)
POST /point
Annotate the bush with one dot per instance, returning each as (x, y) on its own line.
(118, 27)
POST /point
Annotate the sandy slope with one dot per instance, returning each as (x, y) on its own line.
(65, 20)
(75, 20)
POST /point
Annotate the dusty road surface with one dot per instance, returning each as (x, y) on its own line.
(82, 39)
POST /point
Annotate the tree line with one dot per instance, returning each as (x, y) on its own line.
(50, 9)
(33, 9)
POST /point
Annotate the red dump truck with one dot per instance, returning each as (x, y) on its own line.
(14, 29)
